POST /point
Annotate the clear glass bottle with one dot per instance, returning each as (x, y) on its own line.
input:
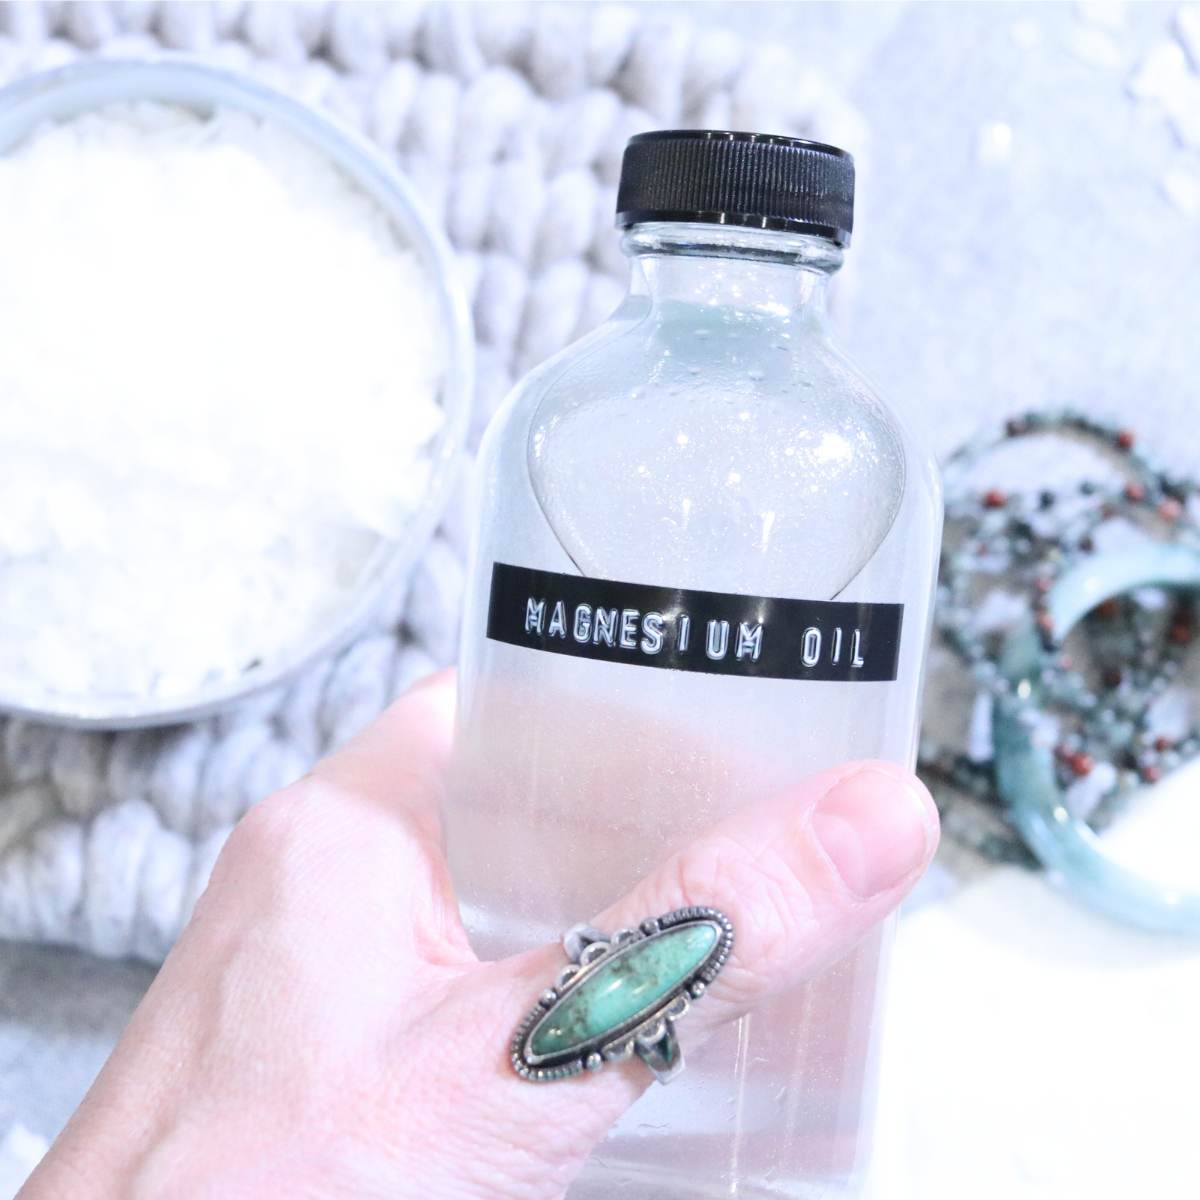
(709, 437)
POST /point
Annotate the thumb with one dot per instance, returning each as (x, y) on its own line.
(802, 878)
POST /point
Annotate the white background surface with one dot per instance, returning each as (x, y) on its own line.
(1034, 1050)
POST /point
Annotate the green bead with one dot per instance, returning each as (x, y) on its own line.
(634, 980)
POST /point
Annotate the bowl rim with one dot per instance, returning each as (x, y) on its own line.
(190, 82)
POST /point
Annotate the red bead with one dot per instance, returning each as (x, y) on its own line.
(1151, 773)
(994, 498)
(1125, 439)
(1162, 743)
(1045, 622)
(1170, 510)
(1042, 584)
(1080, 763)
(1108, 608)
(1135, 492)
(1180, 635)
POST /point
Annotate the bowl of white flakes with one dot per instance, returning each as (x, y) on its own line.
(235, 378)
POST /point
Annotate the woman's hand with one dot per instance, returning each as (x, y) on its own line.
(322, 1028)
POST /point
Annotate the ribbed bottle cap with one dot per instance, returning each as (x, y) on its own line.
(752, 179)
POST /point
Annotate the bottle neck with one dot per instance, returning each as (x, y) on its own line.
(781, 275)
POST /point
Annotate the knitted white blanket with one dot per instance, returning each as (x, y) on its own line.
(511, 119)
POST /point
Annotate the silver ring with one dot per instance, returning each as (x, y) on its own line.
(621, 995)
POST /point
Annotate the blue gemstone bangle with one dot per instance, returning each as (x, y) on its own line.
(1064, 735)
(1025, 770)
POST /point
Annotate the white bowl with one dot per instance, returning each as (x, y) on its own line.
(67, 91)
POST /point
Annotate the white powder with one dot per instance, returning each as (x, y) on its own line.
(219, 374)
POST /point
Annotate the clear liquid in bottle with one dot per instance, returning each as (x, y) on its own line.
(709, 439)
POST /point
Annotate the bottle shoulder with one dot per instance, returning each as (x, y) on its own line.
(701, 379)
(511, 418)
(757, 447)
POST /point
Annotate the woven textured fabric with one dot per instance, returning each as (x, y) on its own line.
(511, 120)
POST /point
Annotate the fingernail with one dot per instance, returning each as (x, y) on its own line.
(876, 827)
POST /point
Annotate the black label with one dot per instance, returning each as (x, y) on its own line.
(717, 632)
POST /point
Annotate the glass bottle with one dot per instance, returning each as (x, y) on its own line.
(708, 440)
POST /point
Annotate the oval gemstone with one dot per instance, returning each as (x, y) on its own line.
(635, 979)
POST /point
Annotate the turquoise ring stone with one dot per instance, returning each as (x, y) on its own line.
(621, 995)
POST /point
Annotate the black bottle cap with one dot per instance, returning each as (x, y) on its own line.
(757, 180)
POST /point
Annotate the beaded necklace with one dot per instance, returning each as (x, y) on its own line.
(1097, 699)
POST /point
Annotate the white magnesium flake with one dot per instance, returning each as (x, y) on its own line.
(219, 374)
